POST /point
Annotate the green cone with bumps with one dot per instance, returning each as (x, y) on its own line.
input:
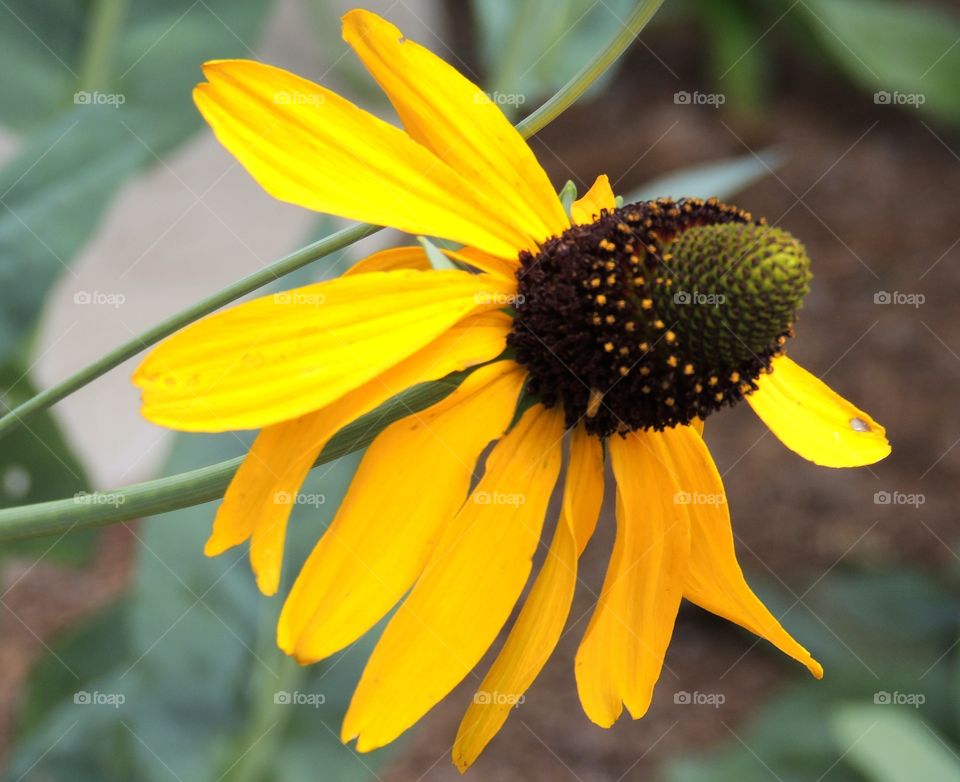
(733, 289)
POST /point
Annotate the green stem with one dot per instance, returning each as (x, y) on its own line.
(96, 60)
(290, 263)
(567, 95)
(203, 484)
(209, 483)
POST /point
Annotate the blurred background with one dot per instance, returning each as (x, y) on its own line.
(125, 654)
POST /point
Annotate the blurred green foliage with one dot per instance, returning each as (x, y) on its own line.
(887, 641)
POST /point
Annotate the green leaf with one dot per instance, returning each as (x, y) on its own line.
(722, 179)
(895, 49)
(891, 744)
(37, 465)
(58, 186)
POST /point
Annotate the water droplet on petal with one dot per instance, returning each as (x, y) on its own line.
(859, 425)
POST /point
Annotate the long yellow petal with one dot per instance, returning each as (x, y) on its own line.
(471, 582)
(540, 623)
(621, 656)
(410, 484)
(261, 495)
(599, 197)
(714, 579)
(814, 421)
(392, 259)
(307, 145)
(279, 357)
(458, 122)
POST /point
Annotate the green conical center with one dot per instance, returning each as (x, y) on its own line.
(731, 290)
(656, 313)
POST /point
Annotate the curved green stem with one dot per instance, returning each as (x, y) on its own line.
(209, 483)
(204, 484)
(99, 46)
(567, 95)
(101, 366)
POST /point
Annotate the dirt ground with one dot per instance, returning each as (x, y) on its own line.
(871, 191)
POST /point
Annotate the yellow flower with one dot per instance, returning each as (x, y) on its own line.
(302, 364)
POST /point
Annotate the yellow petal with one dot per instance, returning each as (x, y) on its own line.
(410, 484)
(279, 357)
(307, 145)
(471, 582)
(390, 260)
(458, 122)
(814, 421)
(714, 579)
(501, 267)
(599, 197)
(540, 623)
(621, 655)
(260, 496)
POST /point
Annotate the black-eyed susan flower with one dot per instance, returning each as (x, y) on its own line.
(618, 329)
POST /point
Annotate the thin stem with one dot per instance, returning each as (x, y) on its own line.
(204, 484)
(101, 366)
(99, 46)
(210, 483)
(567, 95)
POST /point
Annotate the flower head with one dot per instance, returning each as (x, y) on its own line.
(579, 327)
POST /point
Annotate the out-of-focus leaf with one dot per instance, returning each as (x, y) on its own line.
(205, 692)
(36, 465)
(532, 47)
(722, 179)
(40, 45)
(890, 744)
(57, 187)
(898, 50)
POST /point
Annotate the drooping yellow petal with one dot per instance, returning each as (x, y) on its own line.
(410, 484)
(540, 623)
(714, 579)
(307, 145)
(620, 658)
(390, 260)
(279, 357)
(261, 495)
(458, 122)
(471, 582)
(814, 421)
(599, 197)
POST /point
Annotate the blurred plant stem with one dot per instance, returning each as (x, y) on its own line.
(99, 46)
(209, 483)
